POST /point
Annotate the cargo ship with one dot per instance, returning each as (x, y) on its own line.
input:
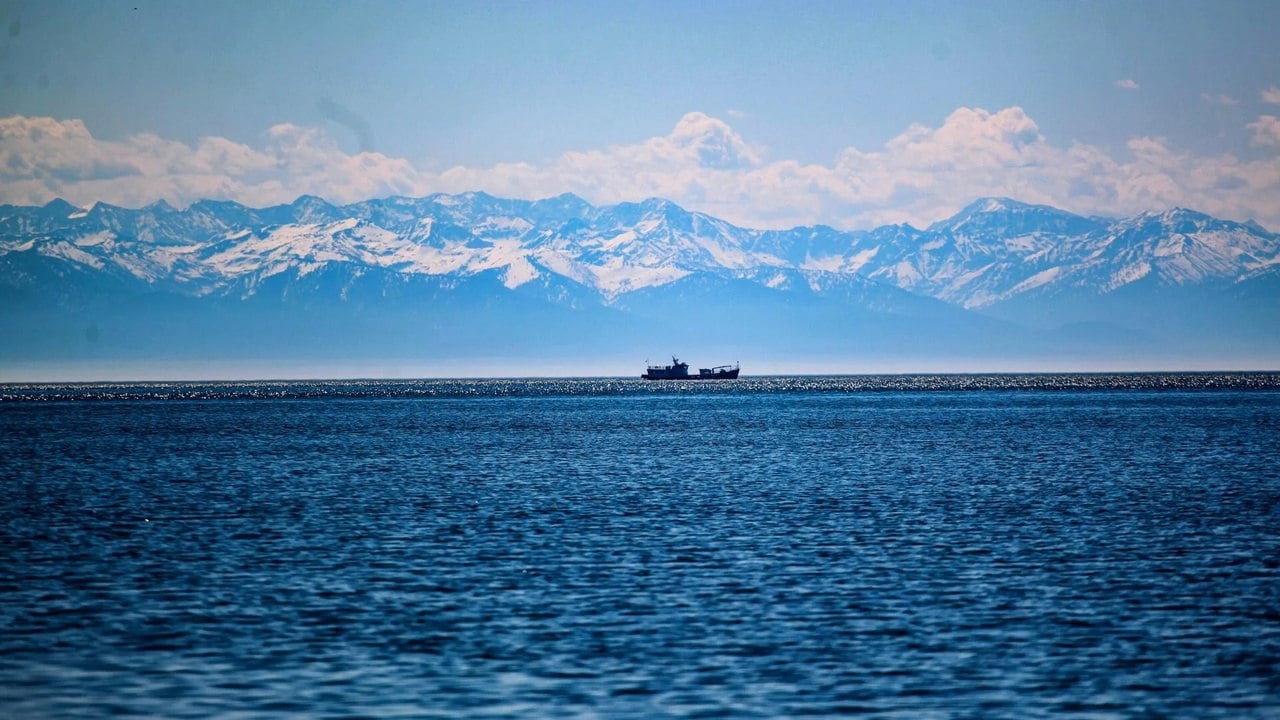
(680, 371)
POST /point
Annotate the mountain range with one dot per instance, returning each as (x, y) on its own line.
(472, 278)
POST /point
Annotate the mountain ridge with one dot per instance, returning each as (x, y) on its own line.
(988, 252)
(999, 276)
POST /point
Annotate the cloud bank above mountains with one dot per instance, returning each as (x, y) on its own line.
(922, 175)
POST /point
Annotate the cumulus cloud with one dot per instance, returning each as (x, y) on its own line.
(1271, 95)
(923, 174)
(1127, 84)
(1266, 131)
(42, 158)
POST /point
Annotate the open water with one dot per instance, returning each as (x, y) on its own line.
(893, 547)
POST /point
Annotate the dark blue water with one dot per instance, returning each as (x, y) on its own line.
(909, 548)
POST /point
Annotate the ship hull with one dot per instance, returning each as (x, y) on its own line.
(680, 371)
(721, 375)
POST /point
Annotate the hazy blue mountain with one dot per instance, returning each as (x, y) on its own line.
(472, 275)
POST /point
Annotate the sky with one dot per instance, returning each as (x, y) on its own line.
(767, 114)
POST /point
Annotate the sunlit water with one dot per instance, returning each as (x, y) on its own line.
(913, 547)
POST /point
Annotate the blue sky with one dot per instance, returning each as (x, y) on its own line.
(769, 114)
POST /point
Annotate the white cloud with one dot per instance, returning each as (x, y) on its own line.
(922, 175)
(41, 158)
(1266, 131)
(1271, 95)
(1219, 99)
(1127, 84)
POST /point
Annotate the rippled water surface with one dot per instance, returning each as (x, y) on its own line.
(912, 547)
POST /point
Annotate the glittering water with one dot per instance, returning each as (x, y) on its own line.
(965, 546)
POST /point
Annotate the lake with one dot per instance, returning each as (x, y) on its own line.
(1015, 546)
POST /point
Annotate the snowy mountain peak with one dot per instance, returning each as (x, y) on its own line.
(992, 205)
(1179, 220)
(992, 251)
(564, 205)
(312, 209)
(1002, 217)
(989, 205)
(1175, 214)
(58, 207)
(159, 207)
(216, 206)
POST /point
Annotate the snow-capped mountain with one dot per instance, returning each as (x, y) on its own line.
(991, 251)
(648, 262)
(997, 250)
(1178, 247)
